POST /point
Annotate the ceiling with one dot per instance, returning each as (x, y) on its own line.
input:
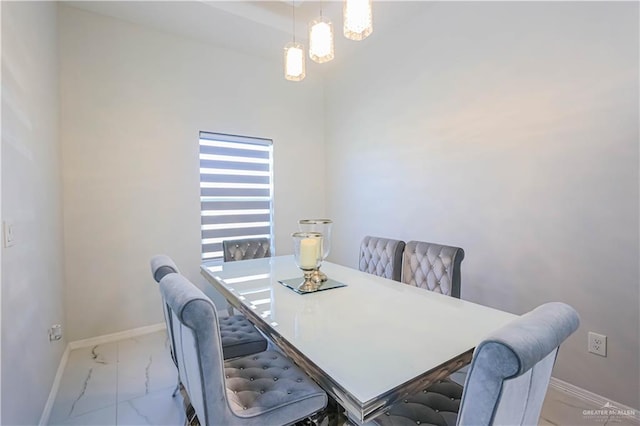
(259, 28)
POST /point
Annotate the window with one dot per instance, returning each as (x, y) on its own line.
(236, 191)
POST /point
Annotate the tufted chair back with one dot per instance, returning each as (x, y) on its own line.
(511, 368)
(507, 381)
(162, 265)
(204, 374)
(433, 267)
(195, 327)
(248, 248)
(381, 257)
(239, 336)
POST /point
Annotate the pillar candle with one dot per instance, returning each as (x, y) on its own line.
(309, 249)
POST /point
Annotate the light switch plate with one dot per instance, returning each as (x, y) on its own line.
(8, 234)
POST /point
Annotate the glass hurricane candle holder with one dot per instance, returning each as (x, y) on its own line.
(307, 251)
(322, 226)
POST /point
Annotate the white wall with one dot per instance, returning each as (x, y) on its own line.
(132, 103)
(32, 269)
(509, 129)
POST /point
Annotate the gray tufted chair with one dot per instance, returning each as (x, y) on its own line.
(162, 265)
(507, 381)
(248, 248)
(244, 249)
(261, 389)
(239, 336)
(381, 257)
(433, 267)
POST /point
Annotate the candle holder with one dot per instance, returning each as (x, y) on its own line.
(307, 250)
(322, 226)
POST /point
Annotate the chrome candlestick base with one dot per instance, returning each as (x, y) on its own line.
(319, 276)
(310, 283)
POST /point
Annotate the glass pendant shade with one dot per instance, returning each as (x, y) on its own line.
(358, 19)
(294, 62)
(321, 40)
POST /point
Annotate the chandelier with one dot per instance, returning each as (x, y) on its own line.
(357, 25)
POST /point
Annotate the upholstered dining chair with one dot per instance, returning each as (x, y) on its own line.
(262, 389)
(433, 267)
(381, 257)
(247, 248)
(239, 336)
(507, 381)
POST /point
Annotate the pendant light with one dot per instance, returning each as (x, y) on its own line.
(294, 61)
(358, 19)
(321, 39)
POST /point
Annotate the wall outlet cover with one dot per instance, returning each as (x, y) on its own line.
(597, 344)
(8, 234)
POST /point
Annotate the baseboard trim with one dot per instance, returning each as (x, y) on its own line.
(593, 399)
(46, 412)
(108, 338)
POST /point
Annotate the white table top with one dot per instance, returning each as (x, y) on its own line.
(368, 338)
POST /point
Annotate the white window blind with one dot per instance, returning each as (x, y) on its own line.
(236, 191)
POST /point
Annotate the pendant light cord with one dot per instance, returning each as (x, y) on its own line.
(293, 7)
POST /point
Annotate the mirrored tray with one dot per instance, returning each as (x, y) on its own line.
(294, 283)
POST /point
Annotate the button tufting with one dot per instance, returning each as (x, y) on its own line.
(251, 378)
(227, 376)
(265, 367)
(288, 392)
(417, 422)
(424, 391)
(255, 358)
(406, 401)
(261, 390)
(244, 408)
(298, 380)
(286, 368)
(275, 379)
(436, 410)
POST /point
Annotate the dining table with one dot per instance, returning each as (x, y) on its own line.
(367, 343)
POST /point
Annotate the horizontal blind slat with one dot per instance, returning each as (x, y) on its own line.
(234, 205)
(248, 152)
(241, 232)
(208, 220)
(206, 248)
(234, 165)
(234, 178)
(209, 136)
(236, 192)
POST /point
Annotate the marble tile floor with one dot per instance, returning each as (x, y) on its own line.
(130, 382)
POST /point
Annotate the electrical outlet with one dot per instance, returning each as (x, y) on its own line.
(597, 344)
(8, 234)
(55, 332)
